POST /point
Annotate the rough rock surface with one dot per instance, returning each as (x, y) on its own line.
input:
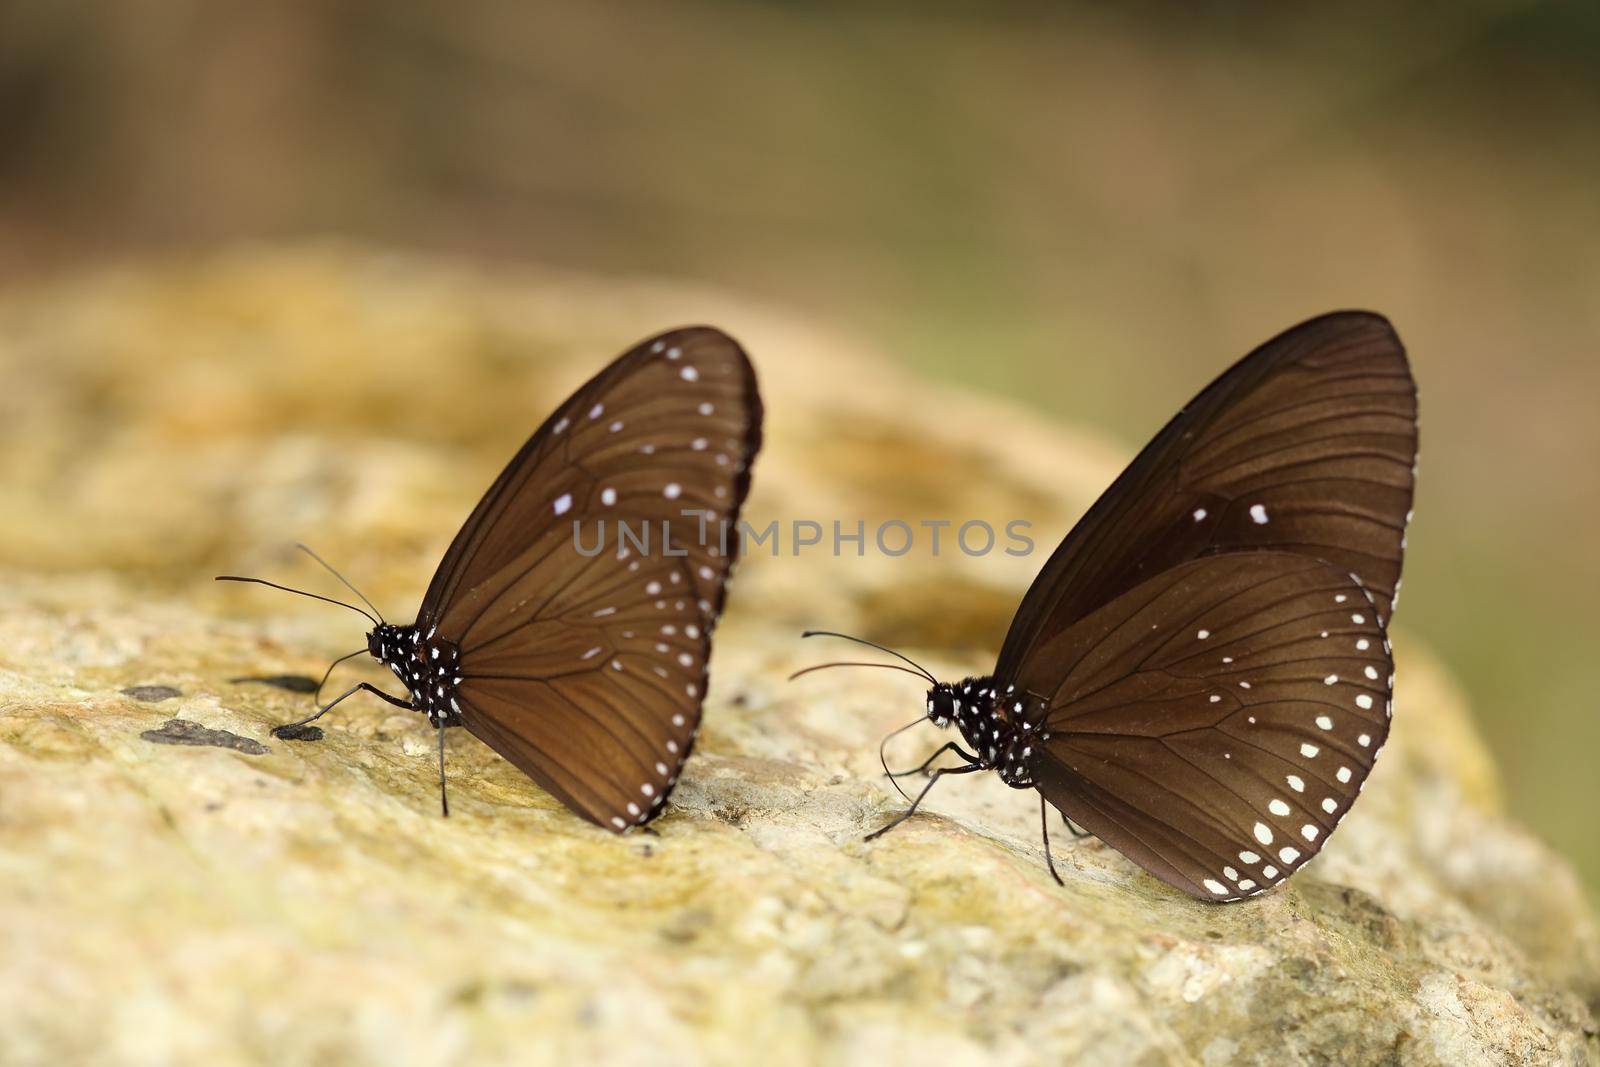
(182, 903)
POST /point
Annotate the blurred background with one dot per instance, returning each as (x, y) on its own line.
(1089, 209)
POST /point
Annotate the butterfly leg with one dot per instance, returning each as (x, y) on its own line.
(444, 801)
(948, 746)
(883, 759)
(915, 804)
(329, 706)
(317, 693)
(1073, 828)
(1044, 828)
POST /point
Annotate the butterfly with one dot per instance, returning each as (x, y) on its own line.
(581, 657)
(1201, 675)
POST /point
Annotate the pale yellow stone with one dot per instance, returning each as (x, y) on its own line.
(171, 904)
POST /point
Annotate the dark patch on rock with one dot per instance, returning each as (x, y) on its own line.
(477, 992)
(291, 732)
(184, 732)
(294, 683)
(152, 693)
(686, 926)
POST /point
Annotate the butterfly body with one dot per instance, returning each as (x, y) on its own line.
(994, 723)
(428, 666)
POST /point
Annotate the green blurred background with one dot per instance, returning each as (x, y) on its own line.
(1091, 209)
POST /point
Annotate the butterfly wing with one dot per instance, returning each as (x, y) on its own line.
(586, 666)
(1215, 722)
(1307, 445)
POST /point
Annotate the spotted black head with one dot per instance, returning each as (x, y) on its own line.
(384, 643)
(942, 704)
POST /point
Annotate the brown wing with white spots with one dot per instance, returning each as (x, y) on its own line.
(583, 589)
(1216, 722)
(597, 697)
(1307, 445)
(671, 425)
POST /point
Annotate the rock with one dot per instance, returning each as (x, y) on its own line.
(308, 904)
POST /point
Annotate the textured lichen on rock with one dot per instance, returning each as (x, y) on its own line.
(184, 732)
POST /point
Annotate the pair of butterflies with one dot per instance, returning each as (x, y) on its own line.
(1200, 676)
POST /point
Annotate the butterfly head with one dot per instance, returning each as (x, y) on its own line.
(383, 643)
(942, 704)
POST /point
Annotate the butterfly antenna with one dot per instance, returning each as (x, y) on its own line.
(863, 641)
(885, 666)
(300, 592)
(346, 582)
